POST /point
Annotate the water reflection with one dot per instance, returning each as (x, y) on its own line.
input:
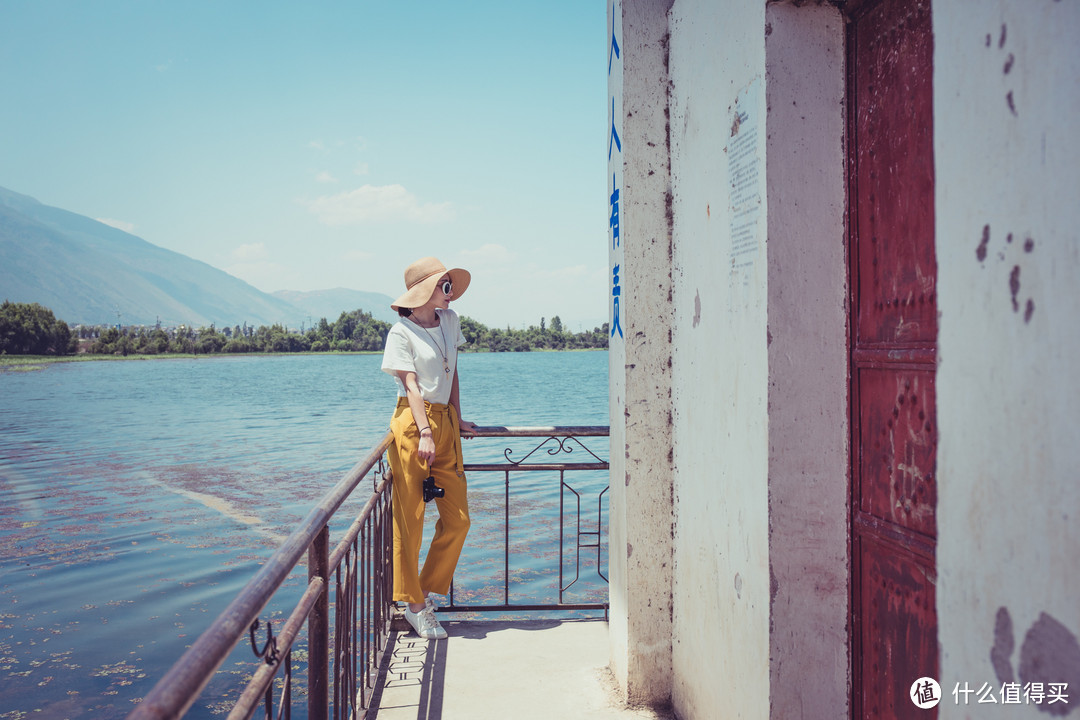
(137, 498)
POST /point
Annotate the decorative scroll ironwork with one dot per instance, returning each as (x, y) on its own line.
(271, 656)
(269, 652)
(562, 446)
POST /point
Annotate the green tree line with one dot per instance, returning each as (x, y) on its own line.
(354, 331)
(32, 329)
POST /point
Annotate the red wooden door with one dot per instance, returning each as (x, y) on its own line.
(893, 338)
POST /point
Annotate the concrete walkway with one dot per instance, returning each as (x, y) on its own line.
(502, 669)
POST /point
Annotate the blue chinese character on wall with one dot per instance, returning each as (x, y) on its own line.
(614, 50)
(614, 134)
(616, 291)
(613, 221)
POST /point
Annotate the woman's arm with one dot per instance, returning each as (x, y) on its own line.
(426, 449)
(467, 428)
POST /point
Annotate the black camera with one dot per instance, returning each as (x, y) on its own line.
(431, 490)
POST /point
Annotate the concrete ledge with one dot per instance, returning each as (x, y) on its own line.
(498, 669)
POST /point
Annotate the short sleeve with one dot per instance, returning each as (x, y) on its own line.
(398, 353)
(459, 340)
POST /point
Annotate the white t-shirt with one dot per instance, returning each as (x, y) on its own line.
(418, 349)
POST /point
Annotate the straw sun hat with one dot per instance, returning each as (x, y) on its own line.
(421, 278)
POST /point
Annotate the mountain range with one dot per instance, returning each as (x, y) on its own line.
(90, 273)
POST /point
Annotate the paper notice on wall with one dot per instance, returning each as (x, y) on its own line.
(745, 152)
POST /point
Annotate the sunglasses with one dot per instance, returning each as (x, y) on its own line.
(447, 287)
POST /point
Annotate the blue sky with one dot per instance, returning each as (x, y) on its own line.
(311, 146)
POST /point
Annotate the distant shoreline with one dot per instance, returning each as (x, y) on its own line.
(30, 363)
(25, 363)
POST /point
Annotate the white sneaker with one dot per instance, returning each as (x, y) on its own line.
(429, 603)
(425, 624)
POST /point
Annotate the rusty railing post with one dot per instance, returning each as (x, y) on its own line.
(319, 629)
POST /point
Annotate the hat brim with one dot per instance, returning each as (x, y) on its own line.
(422, 291)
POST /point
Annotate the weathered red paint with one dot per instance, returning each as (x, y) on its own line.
(893, 339)
(898, 445)
(897, 597)
(894, 175)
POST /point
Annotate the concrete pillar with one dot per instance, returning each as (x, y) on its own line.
(640, 353)
(808, 363)
(720, 653)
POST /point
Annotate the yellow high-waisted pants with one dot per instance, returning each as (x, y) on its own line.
(409, 474)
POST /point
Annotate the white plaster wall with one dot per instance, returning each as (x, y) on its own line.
(719, 377)
(640, 364)
(808, 363)
(1007, 162)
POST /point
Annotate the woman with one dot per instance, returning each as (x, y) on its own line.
(421, 354)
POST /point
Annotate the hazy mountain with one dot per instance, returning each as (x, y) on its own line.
(330, 304)
(86, 272)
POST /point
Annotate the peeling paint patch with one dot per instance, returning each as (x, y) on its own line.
(980, 252)
(1003, 252)
(697, 308)
(1014, 286)
(1004, 643)
(1050, 654)
(1049, 657)
(1010, 60)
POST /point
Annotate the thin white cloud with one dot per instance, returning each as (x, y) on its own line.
(375, 203)
(316, 145)
(325, 177)
(492, 253)
(118, 224)
(250, 252)
(361, 168)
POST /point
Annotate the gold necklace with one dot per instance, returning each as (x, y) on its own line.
(445, 361)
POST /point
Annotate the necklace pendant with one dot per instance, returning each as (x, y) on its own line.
(446, 368)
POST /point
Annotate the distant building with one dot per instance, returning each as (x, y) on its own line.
(845, 411)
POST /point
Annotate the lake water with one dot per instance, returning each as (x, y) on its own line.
(138, 497)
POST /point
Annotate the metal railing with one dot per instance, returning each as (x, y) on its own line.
(342, 667)
(556, 442)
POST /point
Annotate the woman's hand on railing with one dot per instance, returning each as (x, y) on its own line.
(468, 429)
